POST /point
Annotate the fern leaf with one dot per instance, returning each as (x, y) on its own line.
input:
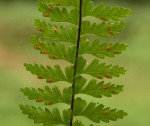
(69, 35)
(101, 49)
(48, 96)
(57, 14)
(55, 51)
(98, 70)
(57, 33)
(106, 13)
(46, 117)
(102, 30)
(50, 74)
(96, 113)
(95, 89)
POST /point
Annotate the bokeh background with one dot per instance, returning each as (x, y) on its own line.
(17, 27)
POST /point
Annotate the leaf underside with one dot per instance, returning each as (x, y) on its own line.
(57, 39)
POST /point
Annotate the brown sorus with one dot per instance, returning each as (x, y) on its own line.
(50, 8)
(49, 102)
(40, 77)
(41, 42)
(106, 112)
(46, 52)
(49, 81)
(100, 77)
(41, 100)
(55, 30)
(41, 29)
(108, 75)
(116, 51)
(100, 48)
(38, 47)
(109, 27)
(54, 56)
(46, 15)
(103, 18)
(111, 32)
(106, 86)
(108, 48)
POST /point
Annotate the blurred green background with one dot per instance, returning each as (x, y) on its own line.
(16, 28)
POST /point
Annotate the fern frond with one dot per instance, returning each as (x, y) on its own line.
(104, 12)
(96, 113)
(49, 96)
(70, 35)
(50, 74)
(46, 117)
(96, 89)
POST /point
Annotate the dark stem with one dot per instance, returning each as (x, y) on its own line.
(75, 64)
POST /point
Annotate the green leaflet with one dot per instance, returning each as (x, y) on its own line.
(50, 74)
(49, 96)
(46, 117)
(57, 33)
(55, 50)
(102, 30)
(96, 89)
(101, 49)
(57, 14)
(98, 70)
(105, 12)
(96, 113)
